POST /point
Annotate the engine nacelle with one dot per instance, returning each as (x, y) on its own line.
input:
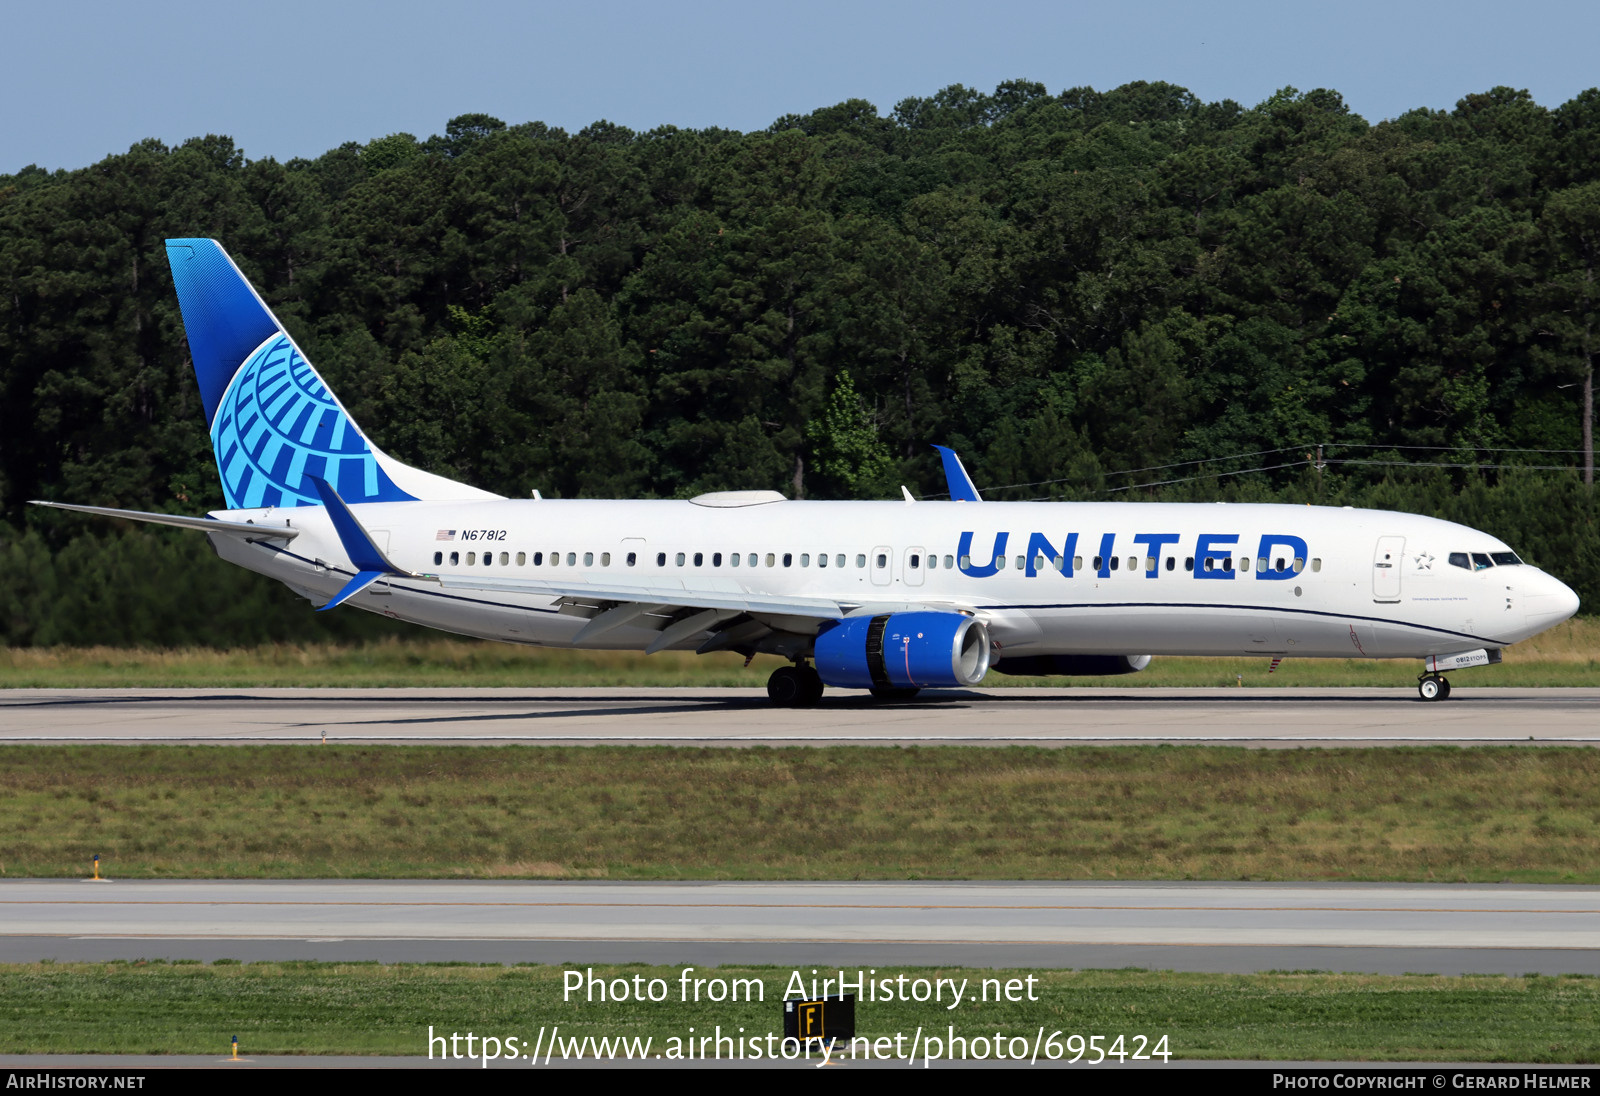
(903, 650)
(1071, 665)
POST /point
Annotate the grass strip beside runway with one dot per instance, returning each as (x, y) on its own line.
(312, 1008)
(1568, 655)
(1436, 814)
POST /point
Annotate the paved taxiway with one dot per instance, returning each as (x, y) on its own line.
(1239, 926)
(743, 717)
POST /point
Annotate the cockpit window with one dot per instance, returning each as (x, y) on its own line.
(1459, 559)
(1505, 559)
(1480, 562)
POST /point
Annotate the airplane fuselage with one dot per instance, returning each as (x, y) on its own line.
(1044, 578)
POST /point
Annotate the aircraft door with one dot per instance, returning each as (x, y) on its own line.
(1386, 568)
(633, 553)
(380, 537)
(916, 561)
(882, 564)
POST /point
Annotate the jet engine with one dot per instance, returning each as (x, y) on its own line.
(903, 651)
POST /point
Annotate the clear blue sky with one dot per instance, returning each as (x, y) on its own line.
(290, 78)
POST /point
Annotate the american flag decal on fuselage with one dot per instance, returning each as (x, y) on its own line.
(446, 534)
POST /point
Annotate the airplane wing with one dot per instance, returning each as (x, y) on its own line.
(685, 611)
(209, 525)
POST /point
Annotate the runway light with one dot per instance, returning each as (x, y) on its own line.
(235, 1048)
(97, 867)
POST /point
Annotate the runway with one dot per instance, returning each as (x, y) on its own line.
(1194, 926)
(743, 717)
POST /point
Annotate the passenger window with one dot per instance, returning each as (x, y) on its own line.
(605, 559)
(505, 558)
(1299, 564)
(1261, 563)
(1244, 564)
(752, 560)
(699, 558)
(933, 563)
(1172, 563)
(455, 558)
(1227, 565)
(772, 560)
(966, 561)
(1316, 565)
(538, 559)
(1022, 562)
(588, 559)
(438, 558)
(883, 560)
(1208, 563)
(661, 559)
(1278, 564)
(472, 558)
(572, 559)
(1097, 562)
(916, 562)
(522, 559)
(1077, 563)
(1151, 563)
(805, 559)
(999, 563)
(716, 559)
(1188, 563)
(822, 559)
(838, 560)
(488, 558)
(1133, 563)
(1059, 563)
(948, 563)
(788, 559)
(1115, 561)
(733, 559)
(633, 558)
(679, 559)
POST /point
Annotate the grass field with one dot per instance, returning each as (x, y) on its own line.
(1566, 655)
(310, 1008)
(1424, 814)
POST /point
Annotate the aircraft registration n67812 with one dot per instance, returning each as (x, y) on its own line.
(892, 597)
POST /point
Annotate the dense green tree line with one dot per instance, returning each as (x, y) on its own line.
(1063, 286)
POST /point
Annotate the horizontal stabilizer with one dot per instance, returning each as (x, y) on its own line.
(208, 525)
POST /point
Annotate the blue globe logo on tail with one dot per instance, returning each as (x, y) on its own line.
(277, 426)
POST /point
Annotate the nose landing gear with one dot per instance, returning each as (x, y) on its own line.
(797, 686)
(1433, 687)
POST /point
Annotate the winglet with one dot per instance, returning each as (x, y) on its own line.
(961, 486)
(370, 561)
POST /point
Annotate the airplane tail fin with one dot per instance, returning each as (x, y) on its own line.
(275, 426)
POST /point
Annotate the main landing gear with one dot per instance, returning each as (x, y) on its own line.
(797, 686)
(1433, 687)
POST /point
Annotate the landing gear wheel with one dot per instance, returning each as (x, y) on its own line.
(891, 693)
(1444, 688)
(794, 687)
(1431, 687)
(813, 684)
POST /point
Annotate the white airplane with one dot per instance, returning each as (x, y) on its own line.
(892, 597)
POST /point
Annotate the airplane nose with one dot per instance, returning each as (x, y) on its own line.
(1552, 602)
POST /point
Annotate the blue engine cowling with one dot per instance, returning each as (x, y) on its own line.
(903, 650)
